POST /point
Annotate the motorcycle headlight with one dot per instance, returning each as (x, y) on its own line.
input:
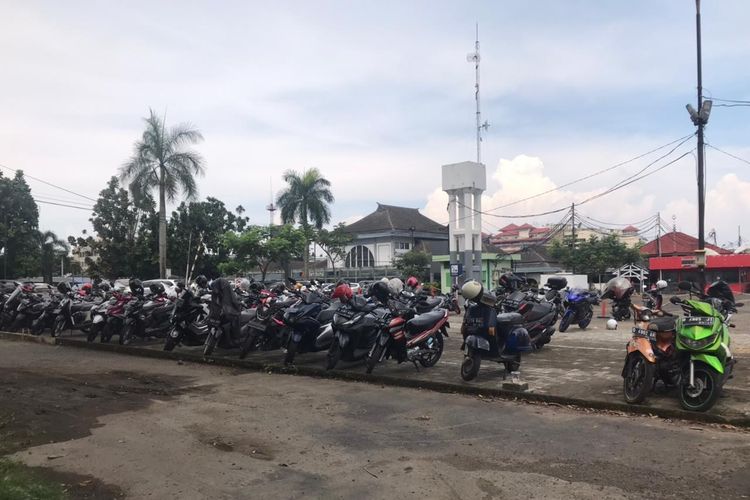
(698, 344)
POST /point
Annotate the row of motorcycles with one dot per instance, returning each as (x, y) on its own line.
(690, 352)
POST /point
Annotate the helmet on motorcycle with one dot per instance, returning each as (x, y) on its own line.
(256, 287)
(412, 282)
(278, 288)
(342, 292)
(380, 291)
(472, 290)
(661, 285)
(395, 286)
(27, 288)
(104, 287)
(156, 288)
(244, 285)
(136, 286)
(201, 281)
(63, 287)
(611, 324)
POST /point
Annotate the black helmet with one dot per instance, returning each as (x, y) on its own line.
(279, 288)
(104, 287)
(201, 281)
(256, 287)
(380, 291)
(63, 287)
(136, 286)
(156, 288)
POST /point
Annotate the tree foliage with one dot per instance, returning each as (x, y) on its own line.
(333, 243)
(196, 232)
(19, 222)
(305, 200)
(414, 263)
(161, 161)
(260, 247)
(595, 255)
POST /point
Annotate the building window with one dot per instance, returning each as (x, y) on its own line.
(400, 245)
(360, 256)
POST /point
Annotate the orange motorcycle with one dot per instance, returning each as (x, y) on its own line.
(651, 354)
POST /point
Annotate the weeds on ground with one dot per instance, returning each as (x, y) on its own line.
(18, 482)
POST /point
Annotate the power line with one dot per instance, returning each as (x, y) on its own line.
(62, 205)
(728, 154)
(48, 183)
(681, 140)
(648, 219)
(735, 101)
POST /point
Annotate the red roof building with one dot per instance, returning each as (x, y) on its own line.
(676, 244)
(513, 237)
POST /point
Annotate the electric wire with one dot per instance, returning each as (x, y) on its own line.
(728, 154)
(48, 183)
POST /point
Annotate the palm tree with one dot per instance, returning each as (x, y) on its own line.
(160, 160)
(306, 200)
(50, 247)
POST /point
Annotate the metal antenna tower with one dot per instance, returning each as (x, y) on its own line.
(271, 207)
(475, 58)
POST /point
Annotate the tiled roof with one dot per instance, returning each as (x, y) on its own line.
(392, 218)
(677, 243)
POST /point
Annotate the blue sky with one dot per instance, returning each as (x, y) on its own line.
(378, 95)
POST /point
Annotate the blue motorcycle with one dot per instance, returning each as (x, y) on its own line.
(579, 308)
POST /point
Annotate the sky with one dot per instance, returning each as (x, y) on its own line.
(379, 95)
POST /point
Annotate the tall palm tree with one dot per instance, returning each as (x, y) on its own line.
(161, 161)
(305, 200)
(50, 247)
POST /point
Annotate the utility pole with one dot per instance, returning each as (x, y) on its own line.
(573, 225)
(474, 57)
(658, 238)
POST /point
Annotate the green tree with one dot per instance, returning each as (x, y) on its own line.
(414, 263)
(19, 221)
(161, 161)
(196, 232)
(259, 247)
(594, 256)
(305, 200)
(333, 243)
(51, 250)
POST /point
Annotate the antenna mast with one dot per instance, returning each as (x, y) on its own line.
(475, 58)
(271, 207)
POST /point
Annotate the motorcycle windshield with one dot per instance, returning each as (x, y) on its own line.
(617, 288)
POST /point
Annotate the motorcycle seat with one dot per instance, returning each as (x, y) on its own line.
(538, 311)
(512, 318)
(81, 306)
(663, 324)
(247, 315)
(326, 315)
(424, 321)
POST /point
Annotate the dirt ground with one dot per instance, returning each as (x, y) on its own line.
(149, 428)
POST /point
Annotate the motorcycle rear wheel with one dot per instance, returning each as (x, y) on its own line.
(638, 378)
(37, 327)
(433, 358)
(93, 333)
(170, 343)
(291, 351)
(706, 391)
(249, 345)
(471, 364)
(126, 336)
(586, 321)
(333, 356)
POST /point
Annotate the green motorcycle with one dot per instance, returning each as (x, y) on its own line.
(703, 344)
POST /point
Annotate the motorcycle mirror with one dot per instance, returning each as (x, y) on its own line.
(685, 285)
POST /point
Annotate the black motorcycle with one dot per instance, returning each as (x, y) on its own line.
(538, 318)
(224, 318)
(265, 329)
(310, 323)
(29, 309)
(46, 319)
(147, 317)
(188, 324)
(72, 314)
(356, 324)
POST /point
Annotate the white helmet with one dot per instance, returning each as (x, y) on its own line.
(472, 290)
(612, 324)
(661, 285)
(395, 286)
(244, 285)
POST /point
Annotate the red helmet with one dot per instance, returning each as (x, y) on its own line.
(27, 288)
(343, 292)
(412, 282)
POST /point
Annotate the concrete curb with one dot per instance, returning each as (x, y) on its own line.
(444, 387)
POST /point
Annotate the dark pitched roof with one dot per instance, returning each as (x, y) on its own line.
(677, 243)
(392, 218)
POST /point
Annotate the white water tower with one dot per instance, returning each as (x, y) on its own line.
(465, 182)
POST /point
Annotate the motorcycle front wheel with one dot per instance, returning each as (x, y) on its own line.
(471, 364)
(58, 327)
(250, 344)
(565, 322)
(211, 341)
(374, 357)
(171, 342)
(584, 323)
(126, 336)
(705, 392)
(93, 333)
(638, 378)
(334, 355)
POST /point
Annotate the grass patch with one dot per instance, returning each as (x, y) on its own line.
(18, 482)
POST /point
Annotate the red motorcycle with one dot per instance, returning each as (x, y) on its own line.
(411, 337)
(115, 318)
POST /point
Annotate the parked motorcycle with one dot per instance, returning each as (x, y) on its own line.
(46, 318)
(410, 337)
(539, 318)
(29, 309)
(703, 344)
(310, 324)
(224, 313)
(147, 317)
(266, 330)
(579, 309)
(651, 355)
(187, 320)
(357, 324)
(500, 338)
(72, 313)
(619, 290)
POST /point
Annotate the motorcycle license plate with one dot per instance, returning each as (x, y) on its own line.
(641, 332)
(698, 321)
